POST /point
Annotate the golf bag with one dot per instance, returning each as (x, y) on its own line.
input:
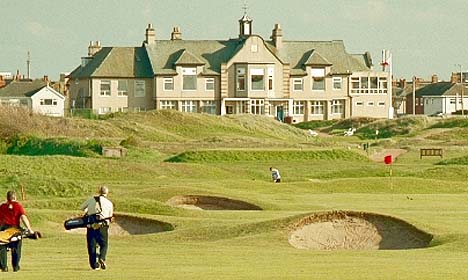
(82, 222)
(14, 234)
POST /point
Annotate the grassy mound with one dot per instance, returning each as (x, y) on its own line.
(391, 128)
(235, 156)
(34, 146)
(457, 161)
(451, 123)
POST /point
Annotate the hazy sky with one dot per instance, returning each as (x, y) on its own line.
(425, 36)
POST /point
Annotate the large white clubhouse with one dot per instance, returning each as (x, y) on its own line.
(297, 80)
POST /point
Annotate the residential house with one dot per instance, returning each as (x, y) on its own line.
(289, 80)
(443, 98)
(36, 95)
(112, 79)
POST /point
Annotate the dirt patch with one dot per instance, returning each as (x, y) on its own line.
(125, 225)
(379, 156)
(343, 230)
(199, 202)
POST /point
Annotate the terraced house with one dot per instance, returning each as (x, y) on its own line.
(289, 80)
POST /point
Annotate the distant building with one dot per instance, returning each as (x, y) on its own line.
(292, 81)
(36, 95)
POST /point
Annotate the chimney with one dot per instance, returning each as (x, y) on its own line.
(402, 83)
(454, 78)
(94, 47)
(45, 78)
(176, 34)
(277, 36)
(434, 79)
(150, 35)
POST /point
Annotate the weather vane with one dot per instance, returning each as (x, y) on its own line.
(245, 7)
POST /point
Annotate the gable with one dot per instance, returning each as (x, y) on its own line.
(254, 50)
(47, 92)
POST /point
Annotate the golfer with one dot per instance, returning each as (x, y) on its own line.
(11, 214)
(275, 175)
(97, 234)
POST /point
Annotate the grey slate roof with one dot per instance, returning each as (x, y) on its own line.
(116, 62)
(316, 59)
(187, 58)
(164, 54)
(22, 89)
(297, 53)
(161, 57)
(438, 89)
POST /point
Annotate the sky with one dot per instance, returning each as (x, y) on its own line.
(425, 37)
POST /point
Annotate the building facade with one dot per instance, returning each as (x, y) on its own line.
(289, 80)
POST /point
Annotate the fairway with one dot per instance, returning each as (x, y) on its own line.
(196, 202)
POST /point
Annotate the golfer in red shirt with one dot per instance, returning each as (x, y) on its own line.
(11, 213)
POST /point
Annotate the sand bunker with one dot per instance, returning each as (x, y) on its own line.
(130, 225)
(356, 231)
(199, 202)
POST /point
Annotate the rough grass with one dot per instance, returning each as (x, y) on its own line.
(266, 156)
(237, 244)
(451, 123)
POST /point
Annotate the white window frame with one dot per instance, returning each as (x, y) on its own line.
(298, 107)
(240, 76)
(189, 73)
(189, 106)
(52, 101)
(337, 106)
(209, 84)
(298, 82)
(209, 107)
(257, 106)
(359, 103)
(381, 104)
(168, 105)
(105, 92)
(271, 80)
(317, 107)
(140, 88)
(104, 110)
(370, 103)
(257, 72)
(122, 91)
(168, 84)
(337, 81)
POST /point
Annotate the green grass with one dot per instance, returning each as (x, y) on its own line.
(230, 157)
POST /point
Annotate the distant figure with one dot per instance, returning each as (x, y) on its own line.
(275, 176)
(313, 133)
(98, 232)
(350, 132)
(11, 214)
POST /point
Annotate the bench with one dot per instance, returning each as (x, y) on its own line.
(430, 152)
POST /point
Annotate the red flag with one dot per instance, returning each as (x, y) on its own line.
(388, 159)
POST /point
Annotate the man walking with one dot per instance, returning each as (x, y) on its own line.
(101, 208)
(11, 214)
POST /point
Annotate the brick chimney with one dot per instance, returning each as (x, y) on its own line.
(176, 34)
(150, 35)
(454, 78)
(277, 36)
(403, 83)
(434, 79)
(94, 47)
(2, 82)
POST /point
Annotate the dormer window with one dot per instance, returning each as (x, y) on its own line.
(189, 78)
(318, 78)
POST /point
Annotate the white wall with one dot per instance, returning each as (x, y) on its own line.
(56, 109)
